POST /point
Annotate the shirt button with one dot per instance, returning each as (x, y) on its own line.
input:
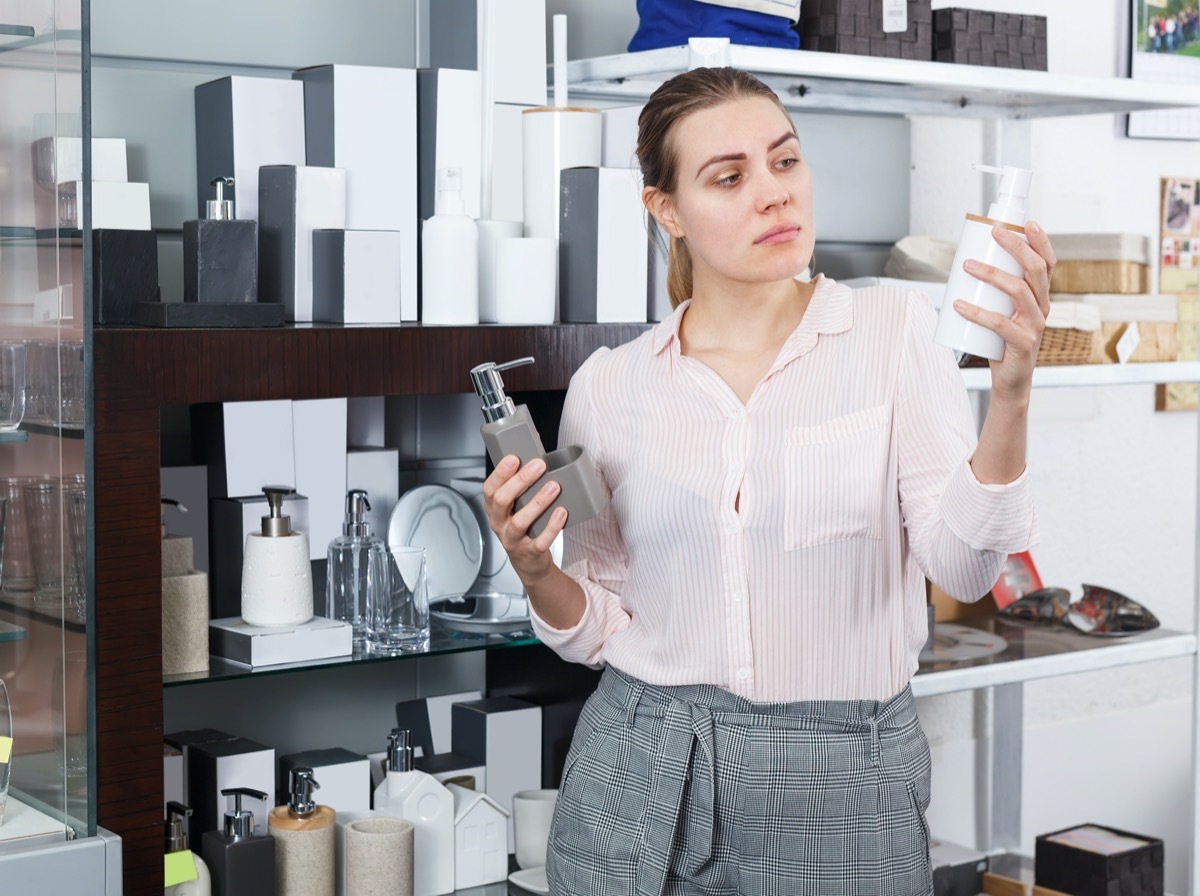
(743, 673)
(735, 596)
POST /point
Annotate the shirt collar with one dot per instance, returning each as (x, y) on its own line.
(830, 310)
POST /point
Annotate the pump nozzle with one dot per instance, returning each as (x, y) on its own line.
(300, 801)
(220, 209)
(177, 838)
(1009, 205)
(275, 524)
(490, 386)
(240, 822)
(400, 754)
(357, 506)
(165, 501)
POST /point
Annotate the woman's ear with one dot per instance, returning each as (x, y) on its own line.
(662, 209)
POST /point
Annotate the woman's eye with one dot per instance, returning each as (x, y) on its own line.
(729, 180)
(788, 163)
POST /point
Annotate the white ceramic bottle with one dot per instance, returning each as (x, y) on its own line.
(1008, 210)
(450, 257)
(418, 797)
(276, 573)
(177, 841)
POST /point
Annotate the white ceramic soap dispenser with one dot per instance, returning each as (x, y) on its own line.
(418, 797)
(186, 871)
(1008, 211)
(276, 570)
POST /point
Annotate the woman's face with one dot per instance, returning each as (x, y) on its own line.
(743, 195)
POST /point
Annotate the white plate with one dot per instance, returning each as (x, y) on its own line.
(531, 879)
(439, 519)
(482, 613)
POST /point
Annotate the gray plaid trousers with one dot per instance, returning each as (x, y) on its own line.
(675, 791)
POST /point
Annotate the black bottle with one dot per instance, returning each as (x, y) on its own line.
(241, 862)
(220, 254)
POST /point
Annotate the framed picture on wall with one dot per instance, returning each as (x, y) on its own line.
(1179, 275)
(1164, 47)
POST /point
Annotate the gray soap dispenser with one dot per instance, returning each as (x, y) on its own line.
(357, 569)
(220, 253)
(304, 840)
(508, 429)
(242, 863)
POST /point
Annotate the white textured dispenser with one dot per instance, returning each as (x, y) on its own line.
(1008, 211)
(276, 572)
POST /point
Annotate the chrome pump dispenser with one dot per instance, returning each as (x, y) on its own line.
(242, 862)
(399, 751)
(300, 794)
(508, 429)
(357, 569)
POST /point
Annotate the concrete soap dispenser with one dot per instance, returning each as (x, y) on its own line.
(186, 873)
(508, 429)
(220, 254)
(421, 799)
(304, 840)
(184, 602)
(276, 571)
(357, 569)
(1008, 211)
(242, 863)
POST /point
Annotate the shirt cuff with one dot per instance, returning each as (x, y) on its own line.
(989, 516)
(556, 638)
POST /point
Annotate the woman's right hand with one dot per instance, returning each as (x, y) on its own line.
(530, 556)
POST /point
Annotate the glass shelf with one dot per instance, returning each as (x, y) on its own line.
(11, 632)
(14, 435)
(22, 607)
(27, 37)
(50, 429)
(441, 642)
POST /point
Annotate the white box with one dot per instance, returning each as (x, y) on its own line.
(253, 645)
(358, 276)
(377, 472)
(222, 765)
(256, 450)
(519, 55)
(243, 123)
(56, 303)
(363, 119)
(344, 776)
(618, 135)
(319, 446)
(292, 203)
(115, 206)
(449, 133)
(506, 735)
(508, 190)
(108, 158)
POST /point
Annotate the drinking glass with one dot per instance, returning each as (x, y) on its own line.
(16, 564)
(68, 717)
(12, 385)
(71, 384)
(398, 622)
(41, 381)
(6, 744)
(74, 581)
(44, 518)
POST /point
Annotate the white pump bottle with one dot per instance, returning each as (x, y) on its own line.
(1008, 211)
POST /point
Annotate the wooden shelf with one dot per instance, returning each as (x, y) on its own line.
(135, 372)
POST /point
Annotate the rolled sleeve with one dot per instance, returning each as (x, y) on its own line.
(991, 517)
(584, 641)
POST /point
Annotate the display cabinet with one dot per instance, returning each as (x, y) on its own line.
(49, 835)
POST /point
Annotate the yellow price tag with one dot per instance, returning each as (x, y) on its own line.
(5, 749)
(179, 867)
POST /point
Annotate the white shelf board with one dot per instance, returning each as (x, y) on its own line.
(1159, 644)
(808, 80)
(979, 379)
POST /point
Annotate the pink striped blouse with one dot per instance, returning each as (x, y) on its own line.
(778, 549)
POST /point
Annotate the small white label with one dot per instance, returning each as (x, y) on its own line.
(895, 16)
(1128, 342)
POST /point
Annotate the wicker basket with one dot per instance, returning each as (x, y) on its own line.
(1064, 345)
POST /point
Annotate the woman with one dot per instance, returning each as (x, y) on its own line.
(787, 461)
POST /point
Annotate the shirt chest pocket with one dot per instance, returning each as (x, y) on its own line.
(835, 479)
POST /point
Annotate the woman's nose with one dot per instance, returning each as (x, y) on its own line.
(773, 195)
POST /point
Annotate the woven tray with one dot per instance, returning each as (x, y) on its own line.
(1100, 277)
(1061, 345)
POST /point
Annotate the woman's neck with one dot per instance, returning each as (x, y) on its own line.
(748, 320)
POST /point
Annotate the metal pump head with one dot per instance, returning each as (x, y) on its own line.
(240, 822)
(275, 524)
(220, 209)
(357, 506)
(488, 383)
(177, 837)
(168, 502)
(300, 801)
(400, 753)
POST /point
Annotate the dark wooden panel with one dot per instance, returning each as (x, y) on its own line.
(135, 372)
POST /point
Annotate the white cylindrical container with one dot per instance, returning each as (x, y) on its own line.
(526, 280)
(491, 232)
(554, 138)
(1008, 211)
(450, 257)
(277, 580)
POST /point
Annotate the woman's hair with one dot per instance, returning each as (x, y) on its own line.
(658, 157)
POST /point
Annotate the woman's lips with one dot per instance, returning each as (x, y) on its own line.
(778, 235)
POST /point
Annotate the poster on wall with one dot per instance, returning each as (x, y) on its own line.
(1179, 275)
(1164, 48)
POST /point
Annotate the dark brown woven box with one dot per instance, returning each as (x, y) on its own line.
(977, 37)
(1137, 871)
(856, 26)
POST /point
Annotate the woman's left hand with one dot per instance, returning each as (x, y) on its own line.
(1012, 375)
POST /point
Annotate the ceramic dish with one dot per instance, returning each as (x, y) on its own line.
(955, 643)
(531, 879)
(439, 519)
(481, 614)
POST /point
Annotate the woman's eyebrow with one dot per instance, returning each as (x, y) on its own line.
(741, 156)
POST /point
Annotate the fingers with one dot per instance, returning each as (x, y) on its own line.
(1020, 341)
(1037, 260)
(508, 482)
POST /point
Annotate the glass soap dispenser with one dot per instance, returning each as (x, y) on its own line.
(508, 429)
(357, 571)
(242, 863)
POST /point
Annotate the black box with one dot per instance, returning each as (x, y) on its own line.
(1092, 860)
(124, 274)
(856, 27)
(1002, 40)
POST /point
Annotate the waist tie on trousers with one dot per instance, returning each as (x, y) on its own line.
(686, 743)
